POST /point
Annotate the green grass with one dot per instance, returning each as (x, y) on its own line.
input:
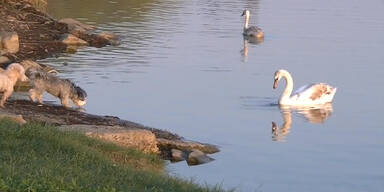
(36, 157)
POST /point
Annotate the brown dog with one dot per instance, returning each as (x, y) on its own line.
(8, 79)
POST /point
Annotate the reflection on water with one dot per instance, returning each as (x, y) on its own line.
(246, 40)
(279, 133)
(313, 114)
(97, 11)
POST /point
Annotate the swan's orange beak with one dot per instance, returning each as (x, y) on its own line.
(275, 83)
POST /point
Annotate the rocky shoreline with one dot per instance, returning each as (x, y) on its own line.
(27, 35)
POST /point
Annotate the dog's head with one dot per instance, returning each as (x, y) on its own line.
(80, 96)
(15, 69)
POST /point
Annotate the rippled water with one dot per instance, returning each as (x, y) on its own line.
(184, 66)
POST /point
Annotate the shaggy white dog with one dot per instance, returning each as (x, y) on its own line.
(8, 79)
(63, 89)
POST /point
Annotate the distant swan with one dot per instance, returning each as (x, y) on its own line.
(312, 94)
(251, 31)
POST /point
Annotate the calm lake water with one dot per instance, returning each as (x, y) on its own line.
(184, 66)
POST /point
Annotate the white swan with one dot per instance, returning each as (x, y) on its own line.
(312, 94)
(251, 31)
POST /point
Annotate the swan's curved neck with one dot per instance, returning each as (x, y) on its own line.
(246, 21)
(288, 88)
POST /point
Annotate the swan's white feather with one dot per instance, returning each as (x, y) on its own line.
(303, 89)
(317, 93)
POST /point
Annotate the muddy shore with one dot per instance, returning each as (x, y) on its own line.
(40, 36)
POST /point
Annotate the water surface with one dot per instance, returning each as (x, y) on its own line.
(184, 66)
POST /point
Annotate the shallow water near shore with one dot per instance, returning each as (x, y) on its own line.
(184, 66)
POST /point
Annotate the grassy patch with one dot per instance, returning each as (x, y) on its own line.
(36, 157)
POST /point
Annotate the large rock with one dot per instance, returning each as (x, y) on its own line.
(28, 64)
(86, 32)
(9, 42)
(177, 155)
(4, 60)
(71, 40)
(186, 145)
(137, 138)
(15, 118)
(196, 157)
(75, 26)
(110, 37)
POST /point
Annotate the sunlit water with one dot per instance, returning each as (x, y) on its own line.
(183, 66)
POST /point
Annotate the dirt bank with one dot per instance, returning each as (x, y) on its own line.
(100, 126)
(38, 33)
(40, 36)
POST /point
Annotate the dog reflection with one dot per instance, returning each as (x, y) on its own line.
(318, 114)
(247, 40)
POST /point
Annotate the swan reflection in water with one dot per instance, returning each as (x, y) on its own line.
(315, 114)
(246, 40)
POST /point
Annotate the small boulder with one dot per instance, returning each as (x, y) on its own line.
(177, 155)
(9, 42)
(15, 118)
(110, 37)
(70, 39)
(4, 60)
(75, 26)
(140, 139)
(196, 157)
(186, 145)
(71, 49)
(27, 64)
